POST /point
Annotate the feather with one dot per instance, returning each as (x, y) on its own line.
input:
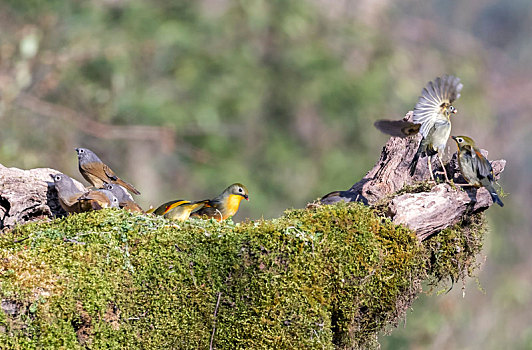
(435, 97)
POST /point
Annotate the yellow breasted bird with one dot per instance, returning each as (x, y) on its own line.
(178, 209)
(430, 118)
(225, 205)
(475, 168)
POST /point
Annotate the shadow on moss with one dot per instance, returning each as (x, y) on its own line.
(326, 277)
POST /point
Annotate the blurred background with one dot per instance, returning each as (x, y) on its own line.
(183, 98)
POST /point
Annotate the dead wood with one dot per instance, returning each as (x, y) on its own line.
(426, 212)
(28, 195)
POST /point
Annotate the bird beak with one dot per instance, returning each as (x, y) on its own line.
(246, 196)
(455, 111)
(453, 137)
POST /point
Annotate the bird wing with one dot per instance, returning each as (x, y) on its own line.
(209, 209)
(97, 199)
(482, 165)
(437, 94)
(165, 207)
(110, 174)
(397, 128)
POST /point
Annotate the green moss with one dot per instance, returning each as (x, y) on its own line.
(326, 277)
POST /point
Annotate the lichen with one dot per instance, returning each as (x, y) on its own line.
(325, 277)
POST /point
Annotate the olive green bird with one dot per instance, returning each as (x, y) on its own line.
(475, 168)
(431, 118)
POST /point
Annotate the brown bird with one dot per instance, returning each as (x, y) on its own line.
(225, 205)
(68, 193)
(124, 198)
(97, 173)
(98, 199)
(179, 210)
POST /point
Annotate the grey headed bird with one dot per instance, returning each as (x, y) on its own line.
(98, 199)
(68, 193)
(124, 198)
(431, 118)
(97, 173)
(475, 168)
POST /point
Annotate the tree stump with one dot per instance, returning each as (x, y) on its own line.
(427, 211)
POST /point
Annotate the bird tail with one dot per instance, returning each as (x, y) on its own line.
(494, 195)
(413, 164)
(129, 187)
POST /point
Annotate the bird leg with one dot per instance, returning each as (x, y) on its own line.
(430, 168)
(443, 168)
(463, 185)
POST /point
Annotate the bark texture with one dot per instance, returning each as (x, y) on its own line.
(28, 195)
(426, 212)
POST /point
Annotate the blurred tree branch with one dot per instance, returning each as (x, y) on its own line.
(165, 136)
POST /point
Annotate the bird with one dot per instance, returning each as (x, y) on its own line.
(431, 118)
(98, 199)
(68, 193)
(124, 198)
(179, 210)
(475, 168)
(97, 173)
(225, 205)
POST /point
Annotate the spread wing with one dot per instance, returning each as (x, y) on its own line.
(438, 94)
(397, 128)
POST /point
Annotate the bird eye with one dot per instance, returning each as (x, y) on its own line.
(57, 177)
(240, 189)
(81, 150)
(451, 108)
(460, 139)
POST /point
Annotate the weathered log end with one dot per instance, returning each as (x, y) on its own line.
(28, 195)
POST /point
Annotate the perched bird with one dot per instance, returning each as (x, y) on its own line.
(98, 199)
(68, 193)
(431, 118)
(475, 168)
(225, 205)
(97, 173)
(124, 198)
(179, 210)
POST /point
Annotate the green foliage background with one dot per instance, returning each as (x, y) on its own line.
(281, 96)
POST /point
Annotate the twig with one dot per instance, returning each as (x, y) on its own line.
(214, 322)
(21, 240)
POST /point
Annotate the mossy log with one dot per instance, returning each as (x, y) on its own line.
(328, 276)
